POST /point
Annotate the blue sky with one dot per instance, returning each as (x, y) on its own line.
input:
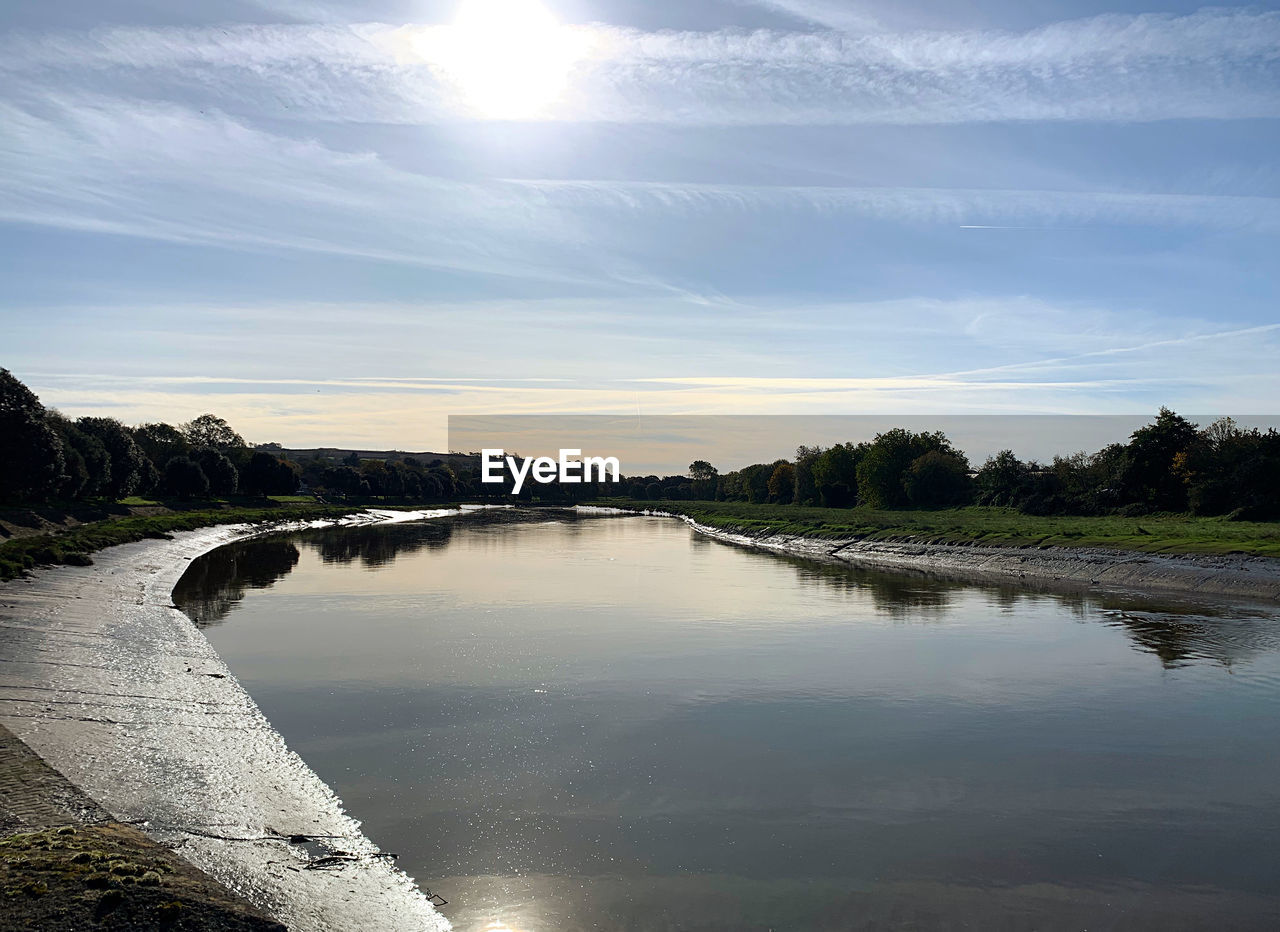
(341, 222)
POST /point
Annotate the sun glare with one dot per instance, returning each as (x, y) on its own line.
(509, 59)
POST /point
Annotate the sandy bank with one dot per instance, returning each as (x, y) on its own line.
(1237, 577)
(115, 688)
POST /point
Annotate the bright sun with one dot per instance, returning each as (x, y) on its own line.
(509, 59)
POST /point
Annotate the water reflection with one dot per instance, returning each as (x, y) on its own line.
(565, 724)
(1182, 639)
(215, 582)
(899, 596)
(378, 545)
(1177, 632)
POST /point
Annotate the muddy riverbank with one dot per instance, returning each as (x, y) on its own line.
(114, 687)
(66, 864)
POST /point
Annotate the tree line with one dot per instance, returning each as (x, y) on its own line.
(48, 457)
(1170, 465)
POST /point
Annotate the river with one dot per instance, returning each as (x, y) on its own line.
(563, 723)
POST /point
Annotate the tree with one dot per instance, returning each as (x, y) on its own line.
(782, 483)
(1106, 470)
(342, 479)
(451, 481)
(31, 468)
(209, 430)
(75, 474)
(382, 481)
(184, 478)
(1002, 480)
(266, 475)
(677, 492)
(835, 474)
(1232, 471)
(87, 467)
(149, 478)
(883, 468)
(756, 480)
(937, 479)
(1256, 492)
(806, 491)
(223, 477)
(1150, 477)
(126, 458)
(161, 443)
(430, 486)
(701, 469)
(704, 477)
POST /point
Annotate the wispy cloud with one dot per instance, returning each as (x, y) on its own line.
(1202, 369)
(1210, 64)
(831, 14)
(171, 173)
(418, 420)
(930, 205)
(1240, 337)
(893, 356)
(167, 172)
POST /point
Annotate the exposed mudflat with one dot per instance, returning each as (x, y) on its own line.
(1237, 577)
(115, 688)
(69, 866)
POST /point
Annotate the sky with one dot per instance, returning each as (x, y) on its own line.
(340, 223)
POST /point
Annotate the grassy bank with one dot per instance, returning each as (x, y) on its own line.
(999, 527)
(74, 546)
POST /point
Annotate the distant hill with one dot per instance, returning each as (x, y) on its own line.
(337, 454)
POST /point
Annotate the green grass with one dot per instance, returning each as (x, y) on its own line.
(73, 547)
(999, 527)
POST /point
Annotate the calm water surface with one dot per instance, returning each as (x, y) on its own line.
(612, 723)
